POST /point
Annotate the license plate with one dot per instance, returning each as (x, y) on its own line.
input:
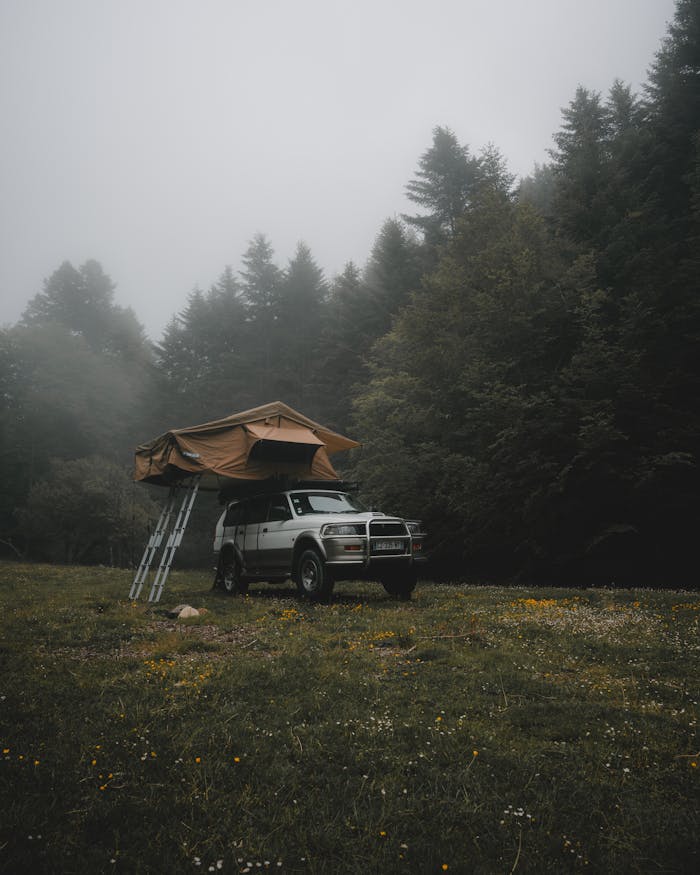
(388, 545)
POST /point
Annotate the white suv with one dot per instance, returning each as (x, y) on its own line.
(316, 537)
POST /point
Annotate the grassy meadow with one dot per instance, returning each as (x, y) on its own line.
(474, 729)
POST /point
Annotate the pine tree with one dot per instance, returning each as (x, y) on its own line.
(303, 294)
(82, 301)
(581, 162)
(394, 271)
(204, 355)
(261, 291)
(348, 331)
(443, 185)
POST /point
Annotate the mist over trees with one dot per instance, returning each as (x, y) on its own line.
(521, 361)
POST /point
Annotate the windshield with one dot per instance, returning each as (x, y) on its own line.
(324, 502)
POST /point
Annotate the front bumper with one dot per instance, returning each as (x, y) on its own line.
(365, 552)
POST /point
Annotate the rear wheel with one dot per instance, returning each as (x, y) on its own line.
(312, 578)
(231, 575)
(400, 584)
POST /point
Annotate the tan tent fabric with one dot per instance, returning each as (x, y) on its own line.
(287, 434)
(256, 444)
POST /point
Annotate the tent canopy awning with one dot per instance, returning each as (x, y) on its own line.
(268, 441)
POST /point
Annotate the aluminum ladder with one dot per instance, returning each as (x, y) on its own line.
(188, 490)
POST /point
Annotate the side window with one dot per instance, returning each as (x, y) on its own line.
(279, 509)
(257, 510)
(233, 515)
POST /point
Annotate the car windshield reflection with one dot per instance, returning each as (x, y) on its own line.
(305, 503)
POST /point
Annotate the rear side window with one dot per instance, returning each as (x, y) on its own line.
(233, 515)
(256, 511)
(279, 509)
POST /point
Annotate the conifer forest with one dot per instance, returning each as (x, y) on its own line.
(519, 358)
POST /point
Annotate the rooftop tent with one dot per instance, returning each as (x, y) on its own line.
(262, 444)
(269, 441)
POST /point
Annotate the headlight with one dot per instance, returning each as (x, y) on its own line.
(343, 529)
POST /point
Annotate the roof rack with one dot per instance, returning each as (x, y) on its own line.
(232, 490)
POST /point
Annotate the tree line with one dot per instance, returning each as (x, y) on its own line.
(521, 361)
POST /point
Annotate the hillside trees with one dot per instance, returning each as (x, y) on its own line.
(251, 338)
(77, 380)
(202, 362)
(86, 510)
(82, 301)
(552, 371)
(523, 364)
(360, 310)
(459, 395)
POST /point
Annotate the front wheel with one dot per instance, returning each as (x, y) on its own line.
(231, 575)
(313, 579)
(400, 584)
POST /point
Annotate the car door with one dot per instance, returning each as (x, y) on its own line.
(234, 525)
(255, 515)
(276, 537)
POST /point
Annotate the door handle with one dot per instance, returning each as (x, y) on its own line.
(264, 530)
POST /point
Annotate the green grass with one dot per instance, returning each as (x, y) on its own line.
(483, 729)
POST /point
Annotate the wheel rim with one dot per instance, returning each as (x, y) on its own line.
(309, 576)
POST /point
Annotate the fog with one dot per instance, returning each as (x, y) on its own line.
(158, 137)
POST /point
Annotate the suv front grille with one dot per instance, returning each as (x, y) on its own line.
(387, 530)
(388, 539)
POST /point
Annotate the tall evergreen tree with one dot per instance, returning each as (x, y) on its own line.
(443, 185)
(673, 111)
(348, 331)
(203, 356)
(261, 290)
(580, 161)
(82, 300)
(393, 271)
(494, 174)
(303, 294)
(538, 190)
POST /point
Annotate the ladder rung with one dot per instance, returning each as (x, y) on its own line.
(188, 490)
(174, 539)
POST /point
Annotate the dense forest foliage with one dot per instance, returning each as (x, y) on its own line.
(520, 361)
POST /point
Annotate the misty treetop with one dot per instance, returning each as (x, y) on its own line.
(520, 361)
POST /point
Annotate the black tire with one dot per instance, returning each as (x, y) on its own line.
(400, 584)
(230, 575)
(312, 578)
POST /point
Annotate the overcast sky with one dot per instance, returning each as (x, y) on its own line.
(158, 136)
